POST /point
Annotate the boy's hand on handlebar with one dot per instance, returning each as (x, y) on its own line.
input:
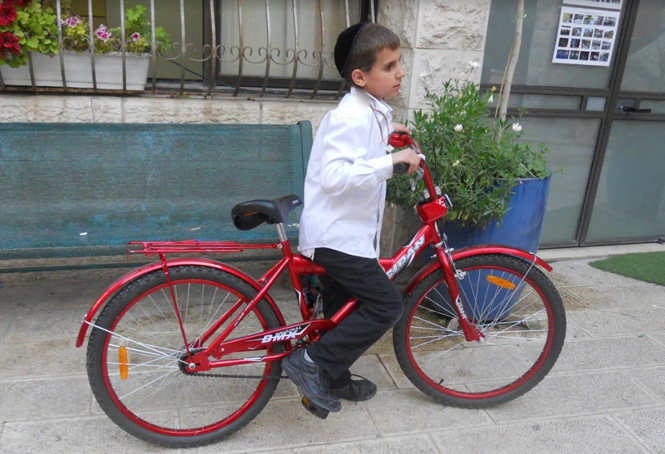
(409, 157)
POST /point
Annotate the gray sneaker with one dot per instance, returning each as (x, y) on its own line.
(312, 381)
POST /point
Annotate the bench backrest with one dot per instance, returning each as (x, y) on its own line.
(87, 189)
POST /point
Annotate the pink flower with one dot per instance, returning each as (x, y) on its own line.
(136, 36)
(102, 33)
(72, 21)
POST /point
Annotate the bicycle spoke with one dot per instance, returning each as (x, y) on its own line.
(137, 355)
(519, 314)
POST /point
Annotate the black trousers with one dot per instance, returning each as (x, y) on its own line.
(380, 306)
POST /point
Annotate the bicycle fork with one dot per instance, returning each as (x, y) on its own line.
(471, 331)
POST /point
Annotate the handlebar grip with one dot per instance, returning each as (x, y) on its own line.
(400, 139)
(400, 168)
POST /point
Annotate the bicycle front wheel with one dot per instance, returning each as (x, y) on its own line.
(514, 305)
(136, 358)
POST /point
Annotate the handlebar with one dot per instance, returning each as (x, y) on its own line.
(400, 168)
(401, 140)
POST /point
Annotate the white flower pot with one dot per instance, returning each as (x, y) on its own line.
(78, 71)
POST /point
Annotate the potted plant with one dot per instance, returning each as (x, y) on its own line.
(109, 53)
(480, 162)
(25, 27)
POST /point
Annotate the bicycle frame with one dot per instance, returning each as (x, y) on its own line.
(199, 358)
(295, 264)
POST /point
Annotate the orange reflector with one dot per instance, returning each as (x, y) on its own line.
(500, 282)
(123, 363)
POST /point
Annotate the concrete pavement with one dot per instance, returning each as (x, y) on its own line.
(605, 394)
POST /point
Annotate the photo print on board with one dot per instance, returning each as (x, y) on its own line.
(586, 36)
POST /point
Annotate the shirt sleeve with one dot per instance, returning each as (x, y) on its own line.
(346, 162)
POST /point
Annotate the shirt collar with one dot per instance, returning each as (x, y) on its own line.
(377, 104)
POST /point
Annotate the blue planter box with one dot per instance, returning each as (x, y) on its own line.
(520, 228)
(522, 225)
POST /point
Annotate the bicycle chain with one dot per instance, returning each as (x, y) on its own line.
(299, 344)
(267, 377)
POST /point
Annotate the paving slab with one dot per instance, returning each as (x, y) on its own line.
(66, 436)
(44, 398)
(601, 435)
(410, 411)
(578, 273)
(47, 357)
(420, 444)
(618, 352)
(286, 424)
(620, 321)
(560, 396)
(651, 379)
(648, 426)
(47, 323)
(607, 297)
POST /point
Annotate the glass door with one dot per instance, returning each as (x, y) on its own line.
(629, 196)
(604, 124)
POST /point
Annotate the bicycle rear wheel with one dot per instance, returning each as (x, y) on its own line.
(518, 310)
(136, 353)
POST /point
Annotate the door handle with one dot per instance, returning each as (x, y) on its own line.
(633, 109)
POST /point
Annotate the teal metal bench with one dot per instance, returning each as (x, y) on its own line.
(71, 190)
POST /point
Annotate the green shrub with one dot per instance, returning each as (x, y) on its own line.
(475, 159)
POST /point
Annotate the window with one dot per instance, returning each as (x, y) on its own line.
(282, 43)
(273, 48)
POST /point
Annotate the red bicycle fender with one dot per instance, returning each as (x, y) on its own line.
(470, 251)
(117, 285)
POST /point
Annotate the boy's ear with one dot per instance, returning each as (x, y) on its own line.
(358, 77)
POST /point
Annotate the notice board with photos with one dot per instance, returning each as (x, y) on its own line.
(587, 32)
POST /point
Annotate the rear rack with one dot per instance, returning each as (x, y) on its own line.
(192, 246)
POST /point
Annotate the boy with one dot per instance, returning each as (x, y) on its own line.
(341, 221)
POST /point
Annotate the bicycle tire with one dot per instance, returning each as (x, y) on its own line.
(157, 401)
(523, 337)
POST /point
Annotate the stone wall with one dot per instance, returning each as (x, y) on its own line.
(150, 109)
(441, 39)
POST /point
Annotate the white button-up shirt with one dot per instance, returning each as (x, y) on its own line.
(345, 185)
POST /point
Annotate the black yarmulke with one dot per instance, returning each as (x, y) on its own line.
(345, 42)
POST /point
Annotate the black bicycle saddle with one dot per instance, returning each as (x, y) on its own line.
(250, 214)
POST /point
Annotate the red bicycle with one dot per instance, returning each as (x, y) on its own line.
(186, 351)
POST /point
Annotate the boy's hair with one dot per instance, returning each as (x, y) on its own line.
(371, 39)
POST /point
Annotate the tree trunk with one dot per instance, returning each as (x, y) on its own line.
(504, 94)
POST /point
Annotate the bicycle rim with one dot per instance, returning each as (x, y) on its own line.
(521, 317)
(137, 355)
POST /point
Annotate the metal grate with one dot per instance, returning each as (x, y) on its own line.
(275, 48)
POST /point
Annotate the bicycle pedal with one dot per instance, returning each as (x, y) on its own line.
(313, 409)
